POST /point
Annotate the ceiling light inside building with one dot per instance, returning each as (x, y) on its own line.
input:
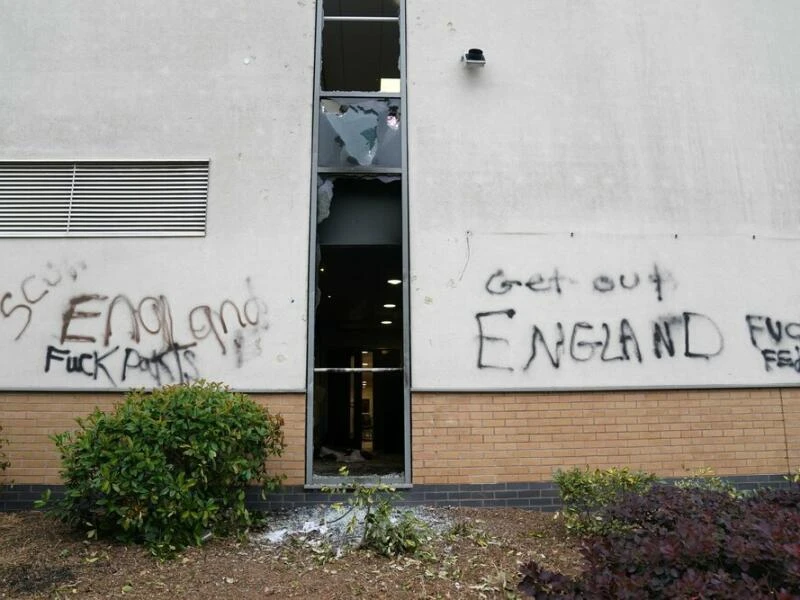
(390, 85)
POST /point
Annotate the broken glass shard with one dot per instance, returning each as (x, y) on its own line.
(360, 133)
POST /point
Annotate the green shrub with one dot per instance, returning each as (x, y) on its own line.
(704, 478)
(4, 464)
(794, 477)
(168, 467)
(584, 492)
(392, 536)
(386, 530)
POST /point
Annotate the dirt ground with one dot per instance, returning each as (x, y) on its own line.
(476, 557)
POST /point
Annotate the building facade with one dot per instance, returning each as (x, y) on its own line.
(457, 246)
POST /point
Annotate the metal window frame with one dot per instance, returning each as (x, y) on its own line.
(316, 171)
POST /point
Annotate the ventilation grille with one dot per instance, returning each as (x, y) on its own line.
(111, 199)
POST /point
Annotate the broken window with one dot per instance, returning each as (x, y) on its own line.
(358, 327)
(357, 133)
(358, 382)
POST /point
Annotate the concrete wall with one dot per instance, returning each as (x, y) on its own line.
(605, 116)
(597, 133)
(602, 138)
(146, 80)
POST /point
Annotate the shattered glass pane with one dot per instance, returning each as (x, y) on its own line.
(358, 133)
(324, 198)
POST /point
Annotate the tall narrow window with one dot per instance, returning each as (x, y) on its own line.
(358, 336)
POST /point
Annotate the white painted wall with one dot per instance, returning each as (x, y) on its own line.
(153, 79)
(623, 122)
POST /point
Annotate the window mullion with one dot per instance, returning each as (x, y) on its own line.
(334, 94)
(363, 19)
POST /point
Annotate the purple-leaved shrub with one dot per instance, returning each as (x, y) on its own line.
(687, 543)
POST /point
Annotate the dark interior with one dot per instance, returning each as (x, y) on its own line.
(359, 411)
(356, 55)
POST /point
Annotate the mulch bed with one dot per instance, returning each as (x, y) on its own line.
(478, 557)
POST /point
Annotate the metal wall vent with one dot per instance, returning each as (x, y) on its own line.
(103, 199)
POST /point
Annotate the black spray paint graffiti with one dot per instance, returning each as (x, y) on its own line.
(77, 363)
(173, 365)
(695, 335)
(687, 334)
(32, 289)
(770, 336)
(101, 319)
(555, 282)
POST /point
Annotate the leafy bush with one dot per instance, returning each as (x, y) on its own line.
(687, 543)
(794, 477)
(704, 478)
(392, 535)
(584, 492)
(386, 530)
(167, 468)
(4, 464)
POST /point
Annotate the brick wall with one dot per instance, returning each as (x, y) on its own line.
(494, 438)
(29, 418)
(791, 411)
(500, 438)
(293, 409)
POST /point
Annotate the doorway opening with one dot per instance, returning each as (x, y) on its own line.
(359, 384)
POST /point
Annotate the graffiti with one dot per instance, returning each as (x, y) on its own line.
(144, 334)
(483, 338)
(554, 282)
(157, 364)
(70, 314)
(175, 364)
(34, 288)
(203, 321)
(92, 317)
(582, 341)
(508, 341)
(77, 363)
(767, 335)
(246, 345)
(499, 284)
